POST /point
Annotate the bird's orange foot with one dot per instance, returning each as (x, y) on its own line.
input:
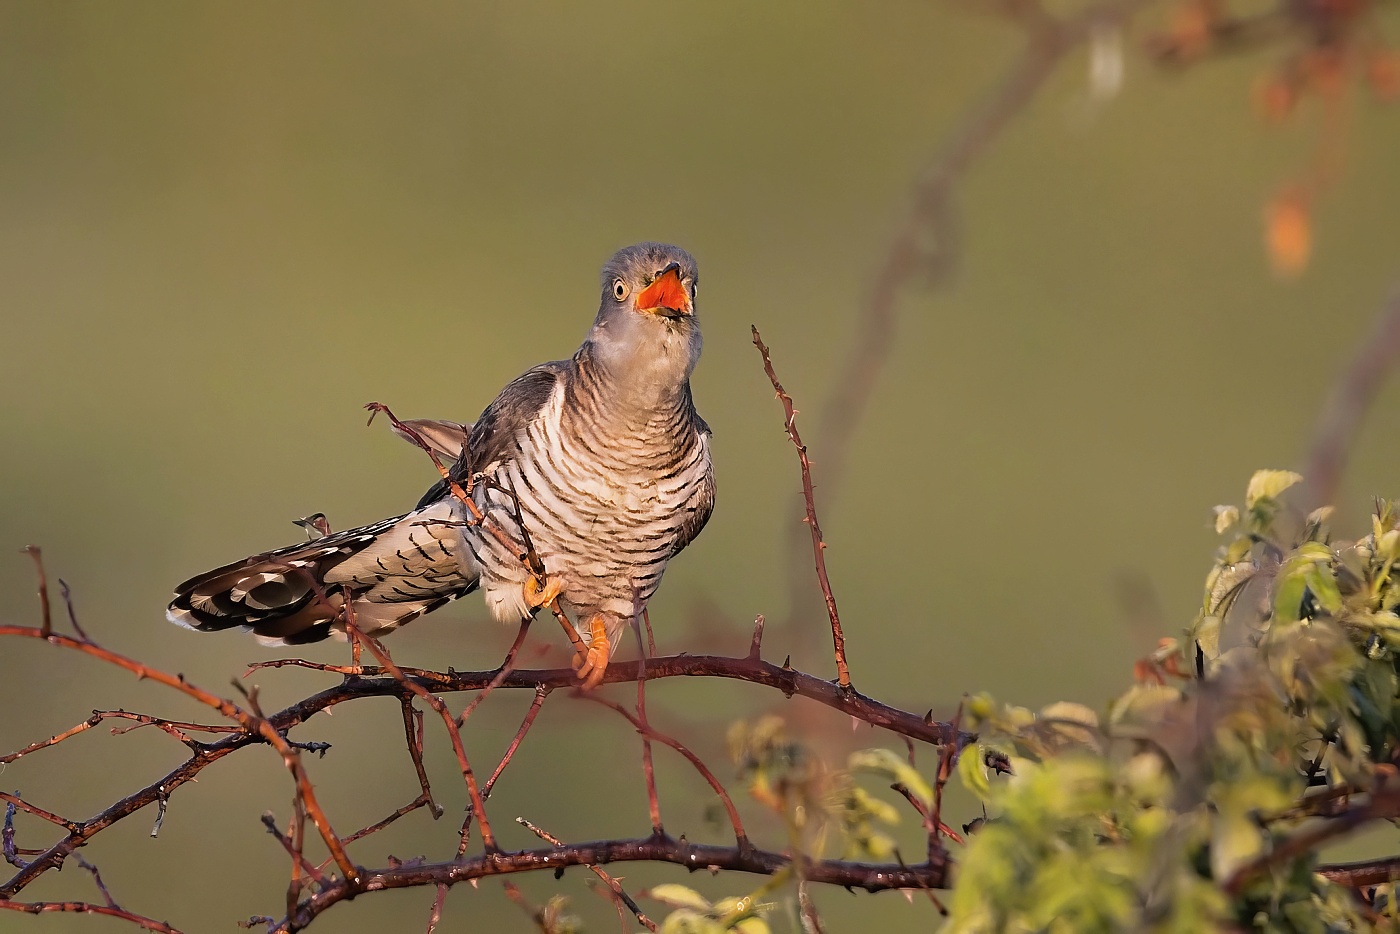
(537, 596)
(592, 665)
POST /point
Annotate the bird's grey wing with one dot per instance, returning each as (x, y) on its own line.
(493, 434)
(700, 511)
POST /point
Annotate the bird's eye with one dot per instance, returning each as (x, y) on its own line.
(620, 290)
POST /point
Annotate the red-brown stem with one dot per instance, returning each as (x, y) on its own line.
(1359, 875)
(541, 692)
(296, 849)
(838, 639)
(613, 885)
(536, 915)
(379, 825)
(97, 881)
(293, 850)
(1384, 803)
(947, 755)
(435, 915)
(34, 908)
(487, 838)
(250, 723)
(694, 856)
(507, 666)
(651, 639)
(413, 736)
(648, 769)
(38, 555)
(740, 836)
(756, 645)
(72, 613)
(40, 813)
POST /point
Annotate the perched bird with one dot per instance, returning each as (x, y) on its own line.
(602, 457)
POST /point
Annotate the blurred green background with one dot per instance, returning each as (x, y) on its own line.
(223, 228)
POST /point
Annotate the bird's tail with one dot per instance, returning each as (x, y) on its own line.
(394, 571)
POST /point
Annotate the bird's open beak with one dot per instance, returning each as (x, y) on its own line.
(666, 295)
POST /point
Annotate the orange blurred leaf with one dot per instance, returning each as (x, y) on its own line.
(1288, 233)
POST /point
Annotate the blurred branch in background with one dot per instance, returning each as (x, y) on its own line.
(925, 246)
(1355, 389)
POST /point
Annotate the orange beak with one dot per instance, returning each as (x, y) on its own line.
(666, 295)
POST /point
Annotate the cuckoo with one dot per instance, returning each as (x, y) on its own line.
(602, 458)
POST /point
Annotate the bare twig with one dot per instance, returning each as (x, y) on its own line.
(34, 908)
(37, 555)
(413, 736)
(648, 769)
(838, 639)
(741, 838)
(435, 915)
(487, 838)
(72, 613)
(866, 876)
(613, 885)
(541, 692)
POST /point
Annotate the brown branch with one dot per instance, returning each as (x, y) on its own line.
(8, 851)
(867, 876)
(648, 768)
(46, 616)
(487, 838)
(1361, 874)
(541, 692)
(1383, 803)
(756, 671)
(838, 639)
(35, 908)
(415, 804)
(38, 812)
(507, 666)
(741, 838)
(172, 727)
(293, 848)
(250, 722)
(435, 915)
(613, 885)
(413, 736)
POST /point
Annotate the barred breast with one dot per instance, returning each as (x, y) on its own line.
(608, 497)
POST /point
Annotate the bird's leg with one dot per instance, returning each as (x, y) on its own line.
(538, 594)
(590, 666)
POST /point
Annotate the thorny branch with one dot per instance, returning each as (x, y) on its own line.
(254, 728)
(838, 639)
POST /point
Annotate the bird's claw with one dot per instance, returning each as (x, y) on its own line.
(592, 665)
(537, 596)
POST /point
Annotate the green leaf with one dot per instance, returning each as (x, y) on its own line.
(1235, 840)
(974, 777)
(678, 896)
(1226, 518)
(889, 764)
(686, 921)
(1268, 484)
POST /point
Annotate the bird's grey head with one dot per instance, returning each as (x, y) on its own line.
(646, 332)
